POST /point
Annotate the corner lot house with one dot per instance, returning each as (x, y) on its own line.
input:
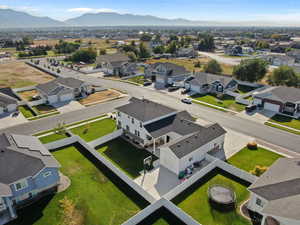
(179, 141)
(166, 73)
(112, 63)
(27, 172)
(276, 194)
(204, 83)
(63, 89)
(7, 104)
(285, 100)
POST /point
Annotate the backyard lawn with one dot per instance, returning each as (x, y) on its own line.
(52, 137)
(94, 197)
(242, 89)
(247, 159)
(125, 156)
(194, 201)
(94, 130)
(26, 111)
(27, 95)
(286, 121)
(226, 101)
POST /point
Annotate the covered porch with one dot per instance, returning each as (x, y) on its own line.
(291, 109)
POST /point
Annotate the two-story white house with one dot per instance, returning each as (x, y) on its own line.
(173, 135)
(275, 196)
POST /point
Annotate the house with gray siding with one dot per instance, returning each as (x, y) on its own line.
(8, 104)
(205, 83)
(113, 64)
(63, 89)
(28, 172)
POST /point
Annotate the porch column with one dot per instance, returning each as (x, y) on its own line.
(153, 146)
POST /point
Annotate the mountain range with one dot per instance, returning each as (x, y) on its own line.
(14, 19)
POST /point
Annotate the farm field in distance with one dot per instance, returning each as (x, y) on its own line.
(17, 74)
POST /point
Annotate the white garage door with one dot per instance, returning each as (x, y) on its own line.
(66, 97)
(271, 107)
(195, 88)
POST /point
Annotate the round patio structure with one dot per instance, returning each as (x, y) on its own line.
(221, 197)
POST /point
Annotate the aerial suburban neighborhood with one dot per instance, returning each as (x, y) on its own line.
(114, 118)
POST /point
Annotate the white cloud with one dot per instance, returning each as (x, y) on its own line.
(4, 7)
(90, 10)
(279, 17)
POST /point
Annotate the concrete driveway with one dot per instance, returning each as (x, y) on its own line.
(64, 107)
(260, 116)
(7, 120)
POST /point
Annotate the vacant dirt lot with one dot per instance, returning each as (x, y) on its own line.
(27, 95)
(17, 74)
(100, 97)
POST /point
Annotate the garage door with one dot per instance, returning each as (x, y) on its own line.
(195, 88)
(271, 107)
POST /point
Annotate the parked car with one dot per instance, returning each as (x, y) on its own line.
(251, 108)
(173, 88)
(186, 101)
(184, 91)
(147, 83)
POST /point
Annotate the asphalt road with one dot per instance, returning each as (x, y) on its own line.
(268, 134)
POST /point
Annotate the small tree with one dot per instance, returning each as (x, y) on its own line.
(284, 75)
(213, 67)
(132, 56)
(61, 129)
(258, 170)
(143, 52)
(197, 64)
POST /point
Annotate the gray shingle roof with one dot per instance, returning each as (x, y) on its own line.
(173, 69)
(189, 143)
(22, 156)
(6, 100)
(180, 123)
(201, 78)
(145, 110)
(280, 185)
(58, 85)
(283, 94)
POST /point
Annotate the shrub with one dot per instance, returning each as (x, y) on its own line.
(258, 170)
(252, 145)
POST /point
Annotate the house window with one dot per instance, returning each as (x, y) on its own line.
(47, 174)
(141, 124)
(259, 202)
(127, 127)
(21, 185)
(119, 123)
(132, 120)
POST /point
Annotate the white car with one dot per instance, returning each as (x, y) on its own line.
(186, 101)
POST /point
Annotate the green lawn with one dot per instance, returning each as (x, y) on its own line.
(282, 128)
(26, 111)
(242, 89)
(138, 79)
(125, 156)
(194, 201)
(94, 130)
(226, 101)
(286, 121)
(52, 137)
(247, 159)
(161, 222)
(95, 198)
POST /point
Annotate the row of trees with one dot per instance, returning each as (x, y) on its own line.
(136, 52)
(66, 47)
(84, 55)
(37, 51)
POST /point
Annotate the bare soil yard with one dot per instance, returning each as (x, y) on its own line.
(18, 74)
(27, 95)
(100, 97)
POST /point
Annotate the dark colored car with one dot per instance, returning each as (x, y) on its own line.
(251, 108)
(147, 83)
(174, 88)
(184, 91)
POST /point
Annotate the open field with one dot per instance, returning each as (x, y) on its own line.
(247, 159)
(125, 156)
(189, 64)
(100, 97)
(27, 95)
(195, 202)
(18, 74)
(226, 101)
(94, 130)
(96, 196)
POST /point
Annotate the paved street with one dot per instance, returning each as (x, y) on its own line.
(242, 125)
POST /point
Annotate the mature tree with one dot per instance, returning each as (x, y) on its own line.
(207, 43)
(143, 51)
(132, 56)
(250, 70)
(87, 56)
(262, 45)
(66, 47)
(146, 37)
(102, 51)
(130, 48)
(213, 67)
(172, 48)
(284, 75)
(159, 49)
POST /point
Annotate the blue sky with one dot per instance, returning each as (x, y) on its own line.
(213, 10)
